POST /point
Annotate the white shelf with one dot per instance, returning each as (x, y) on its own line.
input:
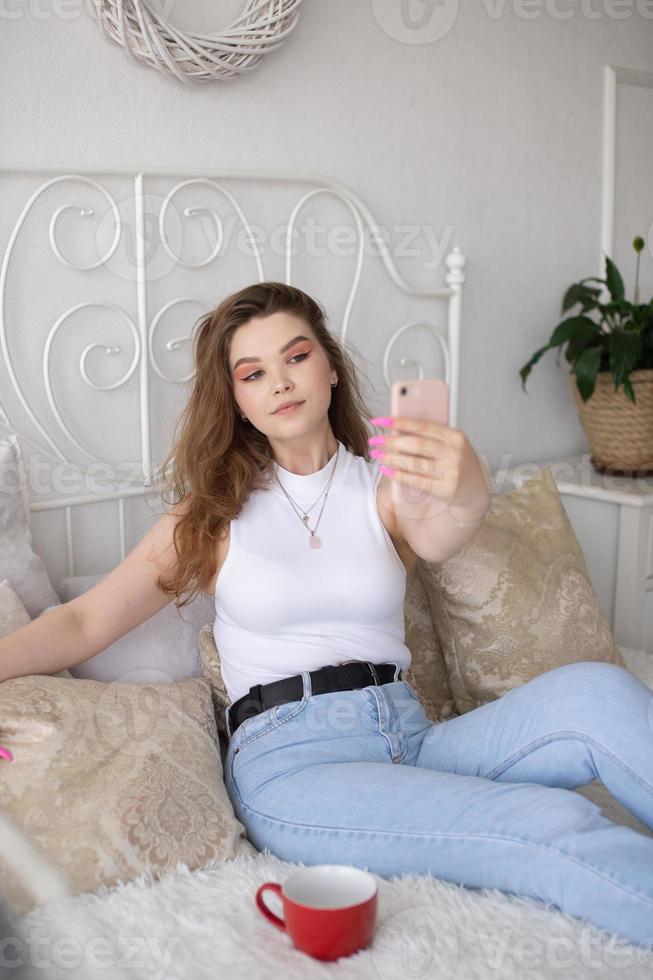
(575, 475)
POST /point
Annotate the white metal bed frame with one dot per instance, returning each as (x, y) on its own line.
(142, 483)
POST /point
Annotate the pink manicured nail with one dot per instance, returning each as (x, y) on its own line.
(382, 420)
(388, 470)
(376, 440)
(6, 754)
(377, 454)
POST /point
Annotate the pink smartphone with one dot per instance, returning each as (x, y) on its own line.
(419, 399)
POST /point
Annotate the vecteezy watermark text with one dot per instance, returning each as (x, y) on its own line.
(72, 952)
(426, 21)
(41, 477)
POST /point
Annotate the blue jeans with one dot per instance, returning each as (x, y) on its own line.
(484, 799)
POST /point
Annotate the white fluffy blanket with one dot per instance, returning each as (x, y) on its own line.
(204, 924)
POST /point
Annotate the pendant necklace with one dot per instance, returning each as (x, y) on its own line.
(314, 541)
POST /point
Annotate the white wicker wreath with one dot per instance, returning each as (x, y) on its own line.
(193, 57)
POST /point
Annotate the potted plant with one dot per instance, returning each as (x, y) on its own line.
(609, 345)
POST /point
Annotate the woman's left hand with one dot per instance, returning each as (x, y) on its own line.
(436, 459)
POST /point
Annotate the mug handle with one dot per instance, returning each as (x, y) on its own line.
(274, 919)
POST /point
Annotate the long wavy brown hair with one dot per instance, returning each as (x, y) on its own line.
(217, 459)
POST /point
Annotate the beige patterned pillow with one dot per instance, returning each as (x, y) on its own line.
(427, 673)
(113, 780)
(210, 661)
(517, 600)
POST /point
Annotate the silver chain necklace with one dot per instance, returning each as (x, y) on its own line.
(313, 540)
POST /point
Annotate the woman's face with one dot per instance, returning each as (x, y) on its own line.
(277, 359)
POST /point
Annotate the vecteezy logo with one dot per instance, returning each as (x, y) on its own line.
(417, 943)
(415, 21)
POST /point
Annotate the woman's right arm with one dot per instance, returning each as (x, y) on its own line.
(79, 629)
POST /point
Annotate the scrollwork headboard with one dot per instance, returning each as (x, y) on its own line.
(104, 274)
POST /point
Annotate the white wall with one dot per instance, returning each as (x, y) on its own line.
(491, 135)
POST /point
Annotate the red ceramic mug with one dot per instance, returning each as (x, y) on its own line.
(329, 909)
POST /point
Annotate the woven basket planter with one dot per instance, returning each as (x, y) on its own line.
(620, 434)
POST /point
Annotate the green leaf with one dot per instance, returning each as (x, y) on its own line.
(629, 390)
(575, 327)
(613, 279)
(622, 307)
(526, 370)
(577, 345)
(647, 316)
(593, 279)
(625, 350)
(587, 367)
(578, 293)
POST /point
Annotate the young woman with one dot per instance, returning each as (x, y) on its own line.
(281, 515)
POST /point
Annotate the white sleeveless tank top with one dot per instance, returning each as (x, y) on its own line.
(282, 607)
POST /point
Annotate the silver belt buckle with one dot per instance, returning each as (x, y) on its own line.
(370, 665)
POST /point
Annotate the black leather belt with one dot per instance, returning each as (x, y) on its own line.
(344, 677)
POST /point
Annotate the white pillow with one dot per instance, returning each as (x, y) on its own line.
(13, 614)
(639, 663)
(163, 649)
(18, 563)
